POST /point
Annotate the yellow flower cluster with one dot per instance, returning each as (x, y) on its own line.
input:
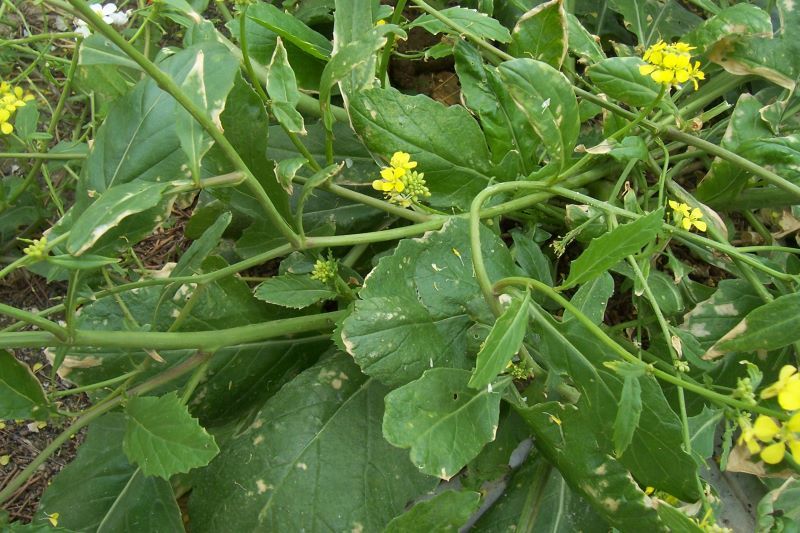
(776, 437)
(11, 98)
(37, 248)
(671, 64)
(325, 270)
(399, 183)
(687, 217)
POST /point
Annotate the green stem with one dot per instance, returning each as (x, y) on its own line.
(95, 386)
(40, 155)
(383, 65)
(35, 320)
(202, 340)
(168, 84)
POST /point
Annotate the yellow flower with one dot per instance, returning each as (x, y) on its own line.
(402, 160)
(748, 435)
(777, 438)
(671, 64)
(5, 126)
(325, 270)
(687, 217)
(381, 22)
(37, 248)
(53, 519)
(4, 460)
(787, 389)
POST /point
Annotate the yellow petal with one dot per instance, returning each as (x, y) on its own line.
(4, 115)
(646, 70)
(789, 397)
(753, 446)
(377, 185)
(670, 60)
(682, 75)
(399, 159)
(700, 225)
(663, 76)
(697, 213)
(774, 453)
(794, 423)
(686, 223)
(794, 447)
(399, 186)
(765, 428)
(786, 372)
(6, 128)
(387, 174)
(673, 204)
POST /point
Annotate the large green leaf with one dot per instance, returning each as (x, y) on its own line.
(417, 304)
(768, 327)
(503, 342)
(582, 43)
(352, 20)
(745, 19)
(564, 436)
(163, 438)
(771, 57)
(546, 99)
(478, 23)
(651, 20)
(507, 131)
(100, 491)
(572, 351)
(538, 498)
(313, 459)
(442, 420)
(447, 511)
(21, 394)
(456, 165)
(779, 510)
(612, 247)
(541, 34)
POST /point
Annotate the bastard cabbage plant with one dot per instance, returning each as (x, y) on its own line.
(490, 265)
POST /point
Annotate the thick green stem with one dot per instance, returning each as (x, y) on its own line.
(383, 65)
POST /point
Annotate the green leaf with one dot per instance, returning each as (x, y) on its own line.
(101, 491)
(162, 437)
(110, 209)
(287, 169)
(541, 34)
(779, 510)
(478, 23)
(768, 327)
(192, 259)
(546, 99)
(21, 394)
(629, 410)
(286, 471)
(442, 420)
(507, 130)
(97, 50)
(291, 29)
(447, 511)
(744, 19)
(702, 431)
(293, 290)
(772, 56)
(725, 181)
(612, 247)
(282, 89)
(651, 20)
(711, 319)
(619, 78)
(591, 298)
(582, 43)
(538, 498)
(529, 256)
(417, 304)
(355, 55)
(565, 438)
(207, 85)
(456, 165)
(352, 20)
(503, 342)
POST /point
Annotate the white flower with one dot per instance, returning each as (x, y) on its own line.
(109, 14)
